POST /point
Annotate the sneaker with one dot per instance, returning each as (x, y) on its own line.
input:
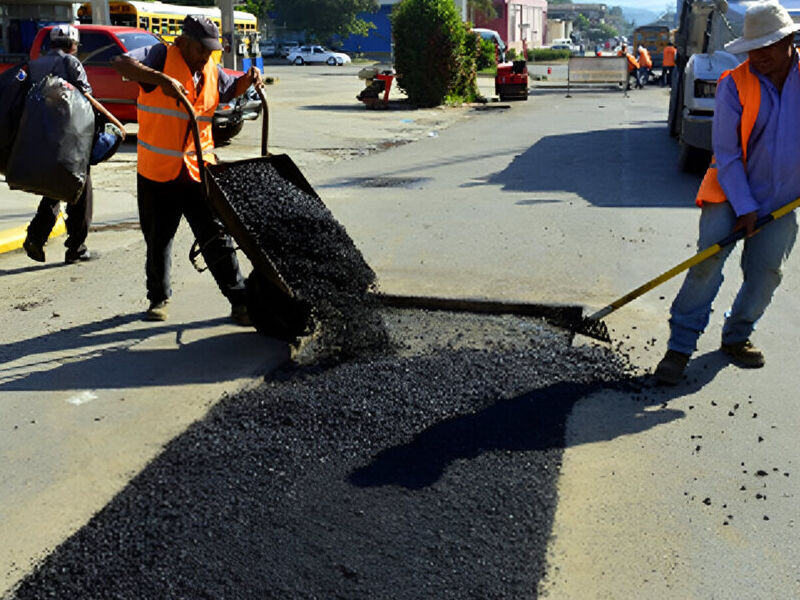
(157, 311)
(74, 255)
(744, 354)
(670, 370)
(240, 316)
(33, 250)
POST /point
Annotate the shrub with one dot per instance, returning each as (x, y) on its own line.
(487, 54)
(541, 54)
(433, 53)
(511, 54)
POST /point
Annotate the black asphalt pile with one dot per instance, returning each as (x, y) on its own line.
(428, 473)
(311, 250)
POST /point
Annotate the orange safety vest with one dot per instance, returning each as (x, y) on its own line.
(644, 58)
(669, 56)
(166, 142)
(749, 88)
(633, 64)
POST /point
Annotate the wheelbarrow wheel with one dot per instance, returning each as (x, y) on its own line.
(274, 313)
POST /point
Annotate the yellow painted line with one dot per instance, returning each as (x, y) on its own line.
(11, 239)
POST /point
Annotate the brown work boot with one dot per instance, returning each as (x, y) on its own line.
(158, 311)
(744, 354)
(240, 316)
(670, 370)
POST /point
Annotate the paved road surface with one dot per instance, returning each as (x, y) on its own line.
(554, 200)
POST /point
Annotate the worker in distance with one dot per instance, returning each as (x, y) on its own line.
(753, 172)
(168, 178)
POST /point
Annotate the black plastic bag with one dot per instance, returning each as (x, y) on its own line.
(54, 141)
(14, 87)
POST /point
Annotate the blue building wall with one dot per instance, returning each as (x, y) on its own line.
(379, 39)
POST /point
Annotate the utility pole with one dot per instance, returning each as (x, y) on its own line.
(228, 34)
(461, 5)
(101, 15)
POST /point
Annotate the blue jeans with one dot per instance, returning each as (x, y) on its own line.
(762, 258)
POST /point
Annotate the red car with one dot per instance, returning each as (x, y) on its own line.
(100, 43)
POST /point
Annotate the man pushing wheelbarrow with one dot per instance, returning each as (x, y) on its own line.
(168, 178)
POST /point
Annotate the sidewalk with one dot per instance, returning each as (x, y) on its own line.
(16, 211)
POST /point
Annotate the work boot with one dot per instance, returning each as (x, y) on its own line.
(157, 312)
(670, 370)
(744, 354)
(240, 316)
(74, 255)
(34, 250)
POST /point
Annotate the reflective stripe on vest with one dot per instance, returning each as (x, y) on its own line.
(749, 88)
(165, 141)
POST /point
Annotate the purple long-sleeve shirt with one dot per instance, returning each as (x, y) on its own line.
(772, 176)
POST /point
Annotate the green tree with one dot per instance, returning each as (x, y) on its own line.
(581, 23)
(257, 7)
(434, 54)
(322, 19)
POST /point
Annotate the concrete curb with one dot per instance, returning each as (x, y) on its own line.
(11, 239)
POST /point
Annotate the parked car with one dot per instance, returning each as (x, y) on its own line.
(269, 49)
(100, 43)
(493, 36)
(317, 54)
(286, 47)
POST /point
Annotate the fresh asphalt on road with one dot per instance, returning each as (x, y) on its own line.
(683, 493)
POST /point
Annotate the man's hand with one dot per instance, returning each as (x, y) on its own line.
(254, 76)
(748, 223)
(172, 87)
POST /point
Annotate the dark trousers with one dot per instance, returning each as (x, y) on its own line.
(161, 206)
(79, 218)
(666, 76)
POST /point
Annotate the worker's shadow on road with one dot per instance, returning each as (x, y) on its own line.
(125, 352)
(534, 421)
(606, 167)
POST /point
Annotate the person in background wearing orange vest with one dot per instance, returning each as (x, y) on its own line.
(668, 64)
(645, 64)
(633, 66)
(753, 172)
(168, 174)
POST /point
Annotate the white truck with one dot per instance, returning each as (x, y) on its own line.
(704, 27)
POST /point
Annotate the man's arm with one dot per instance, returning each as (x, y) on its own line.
(76, 74)
(132, 69)
(731, 171)
(230, 88)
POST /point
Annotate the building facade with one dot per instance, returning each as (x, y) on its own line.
(518, 21)
(21, 19)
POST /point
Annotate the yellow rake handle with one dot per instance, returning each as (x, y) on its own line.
(696, 259)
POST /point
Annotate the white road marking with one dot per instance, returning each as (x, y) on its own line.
(82, 398)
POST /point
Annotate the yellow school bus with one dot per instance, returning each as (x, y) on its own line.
(653, 37)
(165, 20)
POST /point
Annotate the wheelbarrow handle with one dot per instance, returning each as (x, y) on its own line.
(265, 120)
(198, 146)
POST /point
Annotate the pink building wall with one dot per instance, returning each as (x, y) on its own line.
(510, 13)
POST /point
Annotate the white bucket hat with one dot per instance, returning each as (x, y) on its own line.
(764, 24)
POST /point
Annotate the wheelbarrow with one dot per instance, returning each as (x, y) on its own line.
(273, 307)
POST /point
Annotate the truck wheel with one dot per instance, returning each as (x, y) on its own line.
(692, 159)
(273, 313)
